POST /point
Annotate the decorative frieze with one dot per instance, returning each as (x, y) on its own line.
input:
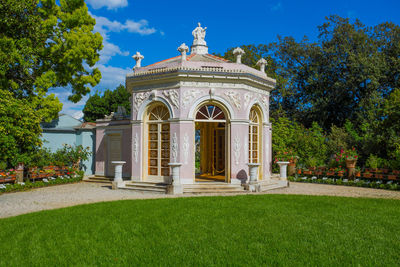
(138, 99)
(173, 96)
(235, 98)
(189, 96)
(247, 98)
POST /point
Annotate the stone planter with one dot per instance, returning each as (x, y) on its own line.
(283, 169)
(176, 187)
(117, 174)
(253, 185)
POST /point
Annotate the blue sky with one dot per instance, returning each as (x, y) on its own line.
(156, 28)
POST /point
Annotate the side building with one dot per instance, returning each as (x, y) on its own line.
(68, 130)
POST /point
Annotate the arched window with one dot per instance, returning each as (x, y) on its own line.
(210, 112)
(254, 136)
(158, 141)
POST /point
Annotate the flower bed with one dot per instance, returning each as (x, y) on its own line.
(65, 179)
(359, 182)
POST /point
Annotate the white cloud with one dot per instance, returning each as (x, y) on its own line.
(109, 50)
(78, 115)
(104, 26)
(110, 4)
(111, 77)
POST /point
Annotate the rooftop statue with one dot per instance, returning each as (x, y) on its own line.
(199, 34)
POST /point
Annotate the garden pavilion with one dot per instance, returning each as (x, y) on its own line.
(199, 115)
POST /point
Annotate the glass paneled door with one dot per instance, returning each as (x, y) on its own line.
(158, 142)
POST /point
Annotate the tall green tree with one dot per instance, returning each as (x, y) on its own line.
(44, 45)
(99, 105)
(19, 127)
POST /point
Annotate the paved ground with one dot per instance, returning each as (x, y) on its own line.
(12, 204)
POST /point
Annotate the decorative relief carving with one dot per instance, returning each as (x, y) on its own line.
(185, 148)
(189, 96)
(236, 148)
(235, 98)
(173, 95)
(136, 147)
(138, 100)
(264, 101)
(246, 149)
(174, 148)
(247, 98)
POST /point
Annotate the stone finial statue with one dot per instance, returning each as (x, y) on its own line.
(199, 45)
(199, 33)
(183, 49)
(138, 57)
(262, 63)
(238, 52)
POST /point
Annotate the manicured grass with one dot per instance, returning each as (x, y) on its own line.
(203, 231)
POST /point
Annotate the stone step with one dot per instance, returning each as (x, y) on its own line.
(274, 185)
(98, 179)
(146, 187)
(216, 188)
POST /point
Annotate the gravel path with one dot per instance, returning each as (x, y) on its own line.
(12, 204)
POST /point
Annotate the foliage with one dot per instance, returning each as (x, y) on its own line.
(37, 184)
(19, 127)
(286, 156)
(338, 138)
(343, 155)
(346, 182)
(373, 162)
(97, 106)
(71, 155)
(44, 45)
(161, 232)
(340, 76)
(305, 143)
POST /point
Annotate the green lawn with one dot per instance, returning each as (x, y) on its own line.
(239, 230)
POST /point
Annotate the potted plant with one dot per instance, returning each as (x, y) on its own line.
(351, 158)
(286, 155)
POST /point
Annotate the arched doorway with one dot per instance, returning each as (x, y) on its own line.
(255, 136)
(211, 143)
(157, 133)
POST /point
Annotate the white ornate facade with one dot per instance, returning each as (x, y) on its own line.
(204, 112)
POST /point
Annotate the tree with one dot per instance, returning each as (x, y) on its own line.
(44, 45)
(98, 105)
(341, 76)
(19, 127)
